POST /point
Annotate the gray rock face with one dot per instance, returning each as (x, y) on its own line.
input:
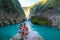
(55, 20)
(33, 35)
(10, 12)
(50, 10)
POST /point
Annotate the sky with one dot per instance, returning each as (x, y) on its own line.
(25, 3)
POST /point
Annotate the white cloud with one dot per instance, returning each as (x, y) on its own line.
(25, 3)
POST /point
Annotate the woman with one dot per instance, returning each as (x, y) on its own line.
(24, 30)
(21, 30)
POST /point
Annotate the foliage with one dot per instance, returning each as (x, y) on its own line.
(42, 7)
(12, 6)
(40, 21)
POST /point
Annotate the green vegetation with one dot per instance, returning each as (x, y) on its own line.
(11, 6)
(17, 6)
(39, 8)
(41, 21)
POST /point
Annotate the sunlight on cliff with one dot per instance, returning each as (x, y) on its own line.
(44, 1)
(27, 12)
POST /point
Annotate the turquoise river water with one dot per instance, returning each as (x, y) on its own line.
(47, 32)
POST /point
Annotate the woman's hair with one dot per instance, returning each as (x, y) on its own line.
(20, 27)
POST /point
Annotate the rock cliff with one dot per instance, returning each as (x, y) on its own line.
(50, 10)
(10, 12)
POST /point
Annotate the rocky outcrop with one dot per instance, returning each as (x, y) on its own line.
(10, 12)
(50, 10)
(31, 36)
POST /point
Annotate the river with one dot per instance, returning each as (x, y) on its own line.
(47, 32)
